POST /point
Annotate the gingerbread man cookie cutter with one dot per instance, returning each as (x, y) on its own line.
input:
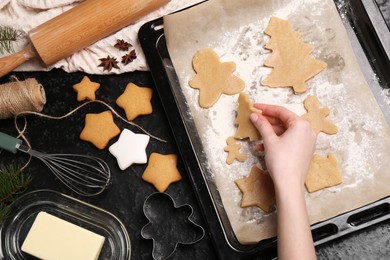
(169, 225)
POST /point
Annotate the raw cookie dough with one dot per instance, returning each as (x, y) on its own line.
(233, 150)
(290, 59)
(245, 129)
(317, 116)
(323, 172)
(257, 190)
(213, 77)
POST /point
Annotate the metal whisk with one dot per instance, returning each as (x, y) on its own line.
(85, 175)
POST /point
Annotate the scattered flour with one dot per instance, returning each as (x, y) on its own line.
(354, 145)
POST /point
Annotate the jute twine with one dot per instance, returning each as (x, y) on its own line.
(22, 98)
(19, 96)
(25, 113)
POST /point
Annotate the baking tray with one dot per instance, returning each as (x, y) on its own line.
(374, 65)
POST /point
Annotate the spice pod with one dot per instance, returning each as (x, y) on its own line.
(169, 225)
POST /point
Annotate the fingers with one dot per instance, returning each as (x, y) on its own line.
(277, 112)
(263, 126)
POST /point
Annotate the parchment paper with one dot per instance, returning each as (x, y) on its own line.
(234, 29)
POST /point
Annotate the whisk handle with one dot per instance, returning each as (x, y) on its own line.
(9, 143)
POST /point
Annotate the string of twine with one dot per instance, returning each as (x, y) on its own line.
(22, 98)
(25, 113)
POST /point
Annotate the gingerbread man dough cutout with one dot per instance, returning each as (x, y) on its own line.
(213, 77)
(317, 116)
(233, 150)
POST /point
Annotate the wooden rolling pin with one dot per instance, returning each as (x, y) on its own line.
(78, 28)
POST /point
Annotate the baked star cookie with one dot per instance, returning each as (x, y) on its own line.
(86, 89)
(135, 101)
(290, 57)
(323, 172)
(161, 171)
(257, 190)
(99, 129)
(233, 150)
(317, 116)
(130, 148)
(214, 77)
(245, 127)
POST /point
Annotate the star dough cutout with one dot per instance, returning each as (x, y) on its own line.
(323, 172)
(99, 129)
(135, 101)
(317, 116)
(161, 171)
(213, 77)
(245, 126)
(86, 89)
(130, 148)
(233, 150)
(257, 190)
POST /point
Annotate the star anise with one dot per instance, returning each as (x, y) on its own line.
(108, 63)
(126, 59)
(122, 45)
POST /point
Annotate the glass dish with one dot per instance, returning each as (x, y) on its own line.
(24, 210)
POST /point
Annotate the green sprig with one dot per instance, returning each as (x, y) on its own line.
(8, 36)
(13, 182)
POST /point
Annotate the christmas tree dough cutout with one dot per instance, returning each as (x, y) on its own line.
(323, 172)
(214, 77)
(317, 116)
(245, 129)
(257, 190)
(290, 60)
(233, 150)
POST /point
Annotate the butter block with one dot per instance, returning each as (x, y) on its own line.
(53, 238)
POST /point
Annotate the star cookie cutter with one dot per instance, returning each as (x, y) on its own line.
(169, 225)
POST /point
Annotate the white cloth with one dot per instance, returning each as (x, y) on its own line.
(24, 15)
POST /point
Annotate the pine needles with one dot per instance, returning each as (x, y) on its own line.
(8, 36)
(12, 183)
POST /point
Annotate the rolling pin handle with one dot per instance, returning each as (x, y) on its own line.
(8, 63)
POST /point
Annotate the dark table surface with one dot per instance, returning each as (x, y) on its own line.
(126, 196)
(128, 192)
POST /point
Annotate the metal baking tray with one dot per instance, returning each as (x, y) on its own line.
(375, 66)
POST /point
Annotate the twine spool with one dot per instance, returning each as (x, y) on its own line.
(20, 96)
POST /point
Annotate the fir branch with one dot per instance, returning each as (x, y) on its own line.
(13, 182)
(8, 35)
(4, 211)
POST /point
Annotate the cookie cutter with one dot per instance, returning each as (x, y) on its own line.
(169, 225)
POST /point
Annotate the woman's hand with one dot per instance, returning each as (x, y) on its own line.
(288, 144)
